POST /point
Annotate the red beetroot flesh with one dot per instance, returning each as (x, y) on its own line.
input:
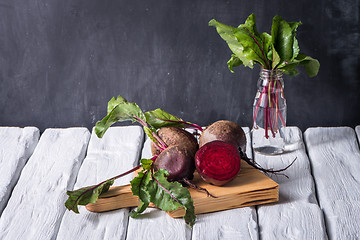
(218, 162)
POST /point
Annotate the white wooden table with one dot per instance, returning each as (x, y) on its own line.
(319, 200)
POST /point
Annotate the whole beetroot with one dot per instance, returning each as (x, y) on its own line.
(226, 131)
(178, 160)
(172, 136)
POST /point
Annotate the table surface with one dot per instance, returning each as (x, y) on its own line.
(319, 200)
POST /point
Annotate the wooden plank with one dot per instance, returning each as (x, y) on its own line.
(35, 207)
(118, 151)
(335, 160)
(16, 146)
(238, 223)
(297, 214)
(357, 130)
(249, 188)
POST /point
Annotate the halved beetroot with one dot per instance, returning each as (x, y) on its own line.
(218, 162)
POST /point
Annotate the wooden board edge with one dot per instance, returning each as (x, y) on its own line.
(253, 198)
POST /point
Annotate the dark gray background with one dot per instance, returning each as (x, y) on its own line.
(62, 60)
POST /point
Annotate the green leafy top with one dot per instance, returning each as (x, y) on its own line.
(280, 50)
(148, 186)
(119, 110)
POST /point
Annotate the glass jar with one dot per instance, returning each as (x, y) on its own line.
(269, 114)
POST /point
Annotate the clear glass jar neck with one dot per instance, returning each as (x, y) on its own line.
(269, 76)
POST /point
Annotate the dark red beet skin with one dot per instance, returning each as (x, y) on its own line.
(224, 130)
(178, 161)
(218, 162)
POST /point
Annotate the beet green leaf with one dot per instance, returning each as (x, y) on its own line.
(283, 38)
(280, 50)
(124, 111)
(227, 33)
(245, 42)
(146, 163)
(234, 61)
(311, 65)
(139, 188)
(158, 118)
(274, 57)
(114, 102)
(169, 196)
(256, 46)
(86, 195)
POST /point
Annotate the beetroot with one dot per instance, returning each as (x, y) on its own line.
(226, 131)
(178, 161)
(218, 162)
(172, 136)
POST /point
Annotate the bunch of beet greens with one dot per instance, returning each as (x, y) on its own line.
(278, 52)
(149, 186)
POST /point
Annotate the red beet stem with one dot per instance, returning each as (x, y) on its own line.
(276, 105)
(160, 143)
(270, 121)
(266, 118)
(270, 96)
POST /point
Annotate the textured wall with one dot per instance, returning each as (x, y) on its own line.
(62, 60)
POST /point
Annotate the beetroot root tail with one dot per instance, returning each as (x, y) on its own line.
(193, 186)
(254, 164)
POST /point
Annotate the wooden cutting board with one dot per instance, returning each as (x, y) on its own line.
(250, 187)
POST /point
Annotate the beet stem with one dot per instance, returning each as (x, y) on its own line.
(278, 112)
(276, 106)
(266, 119)
(118, 176)
(158, 147)
(270, 122)
(144, 124)
(193, 125)
(271, 105)
(154, 157)
(113, 178)
(125, 173)
(161, 144)
(280, 115)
